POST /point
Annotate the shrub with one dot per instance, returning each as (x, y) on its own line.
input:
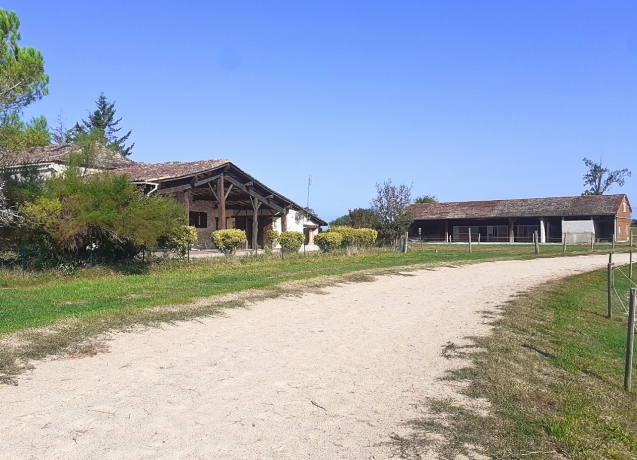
(273, 236)
(328, 241)
(229, 240)
(366, 236)
(106, 209)
(291, 241)
(180, 238)
(355, 236)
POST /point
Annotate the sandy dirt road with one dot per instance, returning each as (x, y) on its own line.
(328, 375)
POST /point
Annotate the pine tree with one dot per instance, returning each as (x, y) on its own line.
(102, 122)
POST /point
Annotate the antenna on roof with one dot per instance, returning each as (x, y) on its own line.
(309, 182)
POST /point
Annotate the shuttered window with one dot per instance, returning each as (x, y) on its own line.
(198, 219)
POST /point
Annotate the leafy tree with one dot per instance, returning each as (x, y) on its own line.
(426, 199)
(22, 77)
(22, 81)
(343, 220)
(363, 218)
(102, 123)
(600, 178)
(390, 205)
(18, 136)
(104, 209)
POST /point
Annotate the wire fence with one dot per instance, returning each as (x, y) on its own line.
(626, 293)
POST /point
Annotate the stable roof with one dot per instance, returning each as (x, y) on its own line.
(525, 207)
(198, 177)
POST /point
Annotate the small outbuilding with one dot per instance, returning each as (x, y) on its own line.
(576, 218)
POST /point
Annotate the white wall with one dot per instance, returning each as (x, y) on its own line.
(578, 231)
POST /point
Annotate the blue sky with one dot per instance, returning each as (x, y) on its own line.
(467, 100)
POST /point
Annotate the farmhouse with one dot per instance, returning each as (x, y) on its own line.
(576, 218)
(216, 193)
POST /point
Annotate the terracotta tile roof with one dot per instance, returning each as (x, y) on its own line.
(149, 172)
(525, 207)
(60, 154)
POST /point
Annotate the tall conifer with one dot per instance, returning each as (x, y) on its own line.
(102, 122)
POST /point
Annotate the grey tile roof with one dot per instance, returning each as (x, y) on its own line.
(525, 207)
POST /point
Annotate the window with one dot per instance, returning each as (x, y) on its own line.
(624, 206)
(198, 219)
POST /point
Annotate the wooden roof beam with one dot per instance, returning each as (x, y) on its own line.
(206, 180)
(254, 194)
(178, 188)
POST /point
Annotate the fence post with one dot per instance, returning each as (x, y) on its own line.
(537, 242)
(610, 287)
(469, 239)
(630, 338)
(592, 241)
(406, 237)
(563, 243)
(630, 269)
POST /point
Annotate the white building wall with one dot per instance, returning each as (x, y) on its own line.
(578, 231)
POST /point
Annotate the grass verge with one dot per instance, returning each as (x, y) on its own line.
(552, 372)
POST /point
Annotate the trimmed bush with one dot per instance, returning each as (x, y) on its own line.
(366, 236)
(355, 236)
(227, 241)
(291, 241)
(328, 241)
(273, 236)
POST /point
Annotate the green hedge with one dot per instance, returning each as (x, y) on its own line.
(328, 241)
(291, 241)
(355, 236)
(229, 240)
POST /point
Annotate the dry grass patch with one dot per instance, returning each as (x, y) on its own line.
(552, 372)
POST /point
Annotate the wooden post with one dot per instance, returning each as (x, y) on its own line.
(610, 289)
(537, 242)
(630, 269)
(221, 193)
(187, 203)
(478, 238)
(469, 239)
(592, 241)
(406, 241)
(630, 338)
(256, 204)
(563, 243)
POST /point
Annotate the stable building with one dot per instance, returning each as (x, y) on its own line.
(576, 218)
